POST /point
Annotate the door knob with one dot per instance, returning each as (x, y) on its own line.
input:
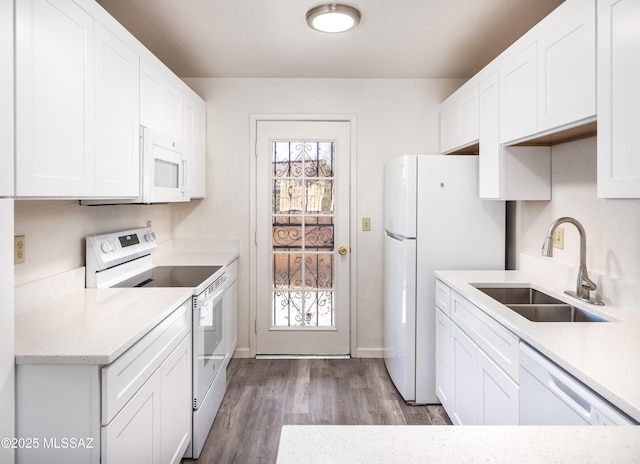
(342, 250)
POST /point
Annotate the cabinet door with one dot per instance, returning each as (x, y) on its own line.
(448, 127)
(54, 99)
(443, 359)
(176, 407)
(518, 95)
(567, 69)
(7, 97)
(161, 103)
(490, 163)
(464, 355)
(468, 116)
(117, 100)
(194, 128)
(133, 436)
(618, 98)
(498, 395)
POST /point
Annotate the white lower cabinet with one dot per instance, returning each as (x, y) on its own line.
(155, 425)
(134, 434)
(498, 400)
(175, 403)
(135, 410)
(476, 365)
(443, 355)
(463, 378)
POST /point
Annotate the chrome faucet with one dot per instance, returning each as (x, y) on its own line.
(584, 284)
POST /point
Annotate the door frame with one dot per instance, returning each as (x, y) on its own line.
(253, 253)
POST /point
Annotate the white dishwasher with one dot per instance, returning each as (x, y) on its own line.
(551, 396)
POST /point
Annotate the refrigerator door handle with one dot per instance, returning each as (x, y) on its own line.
(397, 237)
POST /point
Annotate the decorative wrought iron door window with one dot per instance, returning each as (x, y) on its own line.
(303, 220)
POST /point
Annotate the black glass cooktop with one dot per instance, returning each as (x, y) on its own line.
(171, 276)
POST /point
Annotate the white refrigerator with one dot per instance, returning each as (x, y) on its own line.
(433, 220)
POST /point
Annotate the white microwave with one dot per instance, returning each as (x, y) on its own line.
(164, 171)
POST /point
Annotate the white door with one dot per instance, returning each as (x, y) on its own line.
(302, 237)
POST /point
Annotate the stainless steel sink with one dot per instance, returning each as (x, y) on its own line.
(519, 295)
(538, 306)
(554, 313)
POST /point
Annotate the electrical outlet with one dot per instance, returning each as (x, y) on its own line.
(19, 249)
(148, 223)
(558, 238)
(366, 224)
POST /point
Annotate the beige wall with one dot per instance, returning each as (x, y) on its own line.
(55, 232)
(612, 226)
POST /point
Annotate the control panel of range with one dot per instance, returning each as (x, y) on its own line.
(119, 247)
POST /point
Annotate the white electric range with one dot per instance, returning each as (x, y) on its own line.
(124, 259)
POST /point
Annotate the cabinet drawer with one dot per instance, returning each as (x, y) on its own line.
(496, 341)
(122, 379)
(443, 297)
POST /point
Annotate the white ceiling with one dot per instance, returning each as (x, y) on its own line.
(270, 38)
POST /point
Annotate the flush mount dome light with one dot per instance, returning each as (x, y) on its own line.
(333, 17)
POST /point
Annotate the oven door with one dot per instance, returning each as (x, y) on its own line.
(208, 342)
(165, 169)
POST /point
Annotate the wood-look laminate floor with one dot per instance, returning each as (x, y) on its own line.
(265, 394)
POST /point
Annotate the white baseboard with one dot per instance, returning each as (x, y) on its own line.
(369, 353)
(242, 353)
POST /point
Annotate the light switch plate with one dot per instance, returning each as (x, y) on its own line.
(366, 224)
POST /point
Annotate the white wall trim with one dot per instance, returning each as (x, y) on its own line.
(253, 256)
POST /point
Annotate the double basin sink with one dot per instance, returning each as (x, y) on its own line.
(538, 306)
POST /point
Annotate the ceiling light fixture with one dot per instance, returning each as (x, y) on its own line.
(333, 17)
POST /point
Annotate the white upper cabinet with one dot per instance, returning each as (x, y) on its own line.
(6, 96)
(548, 77)
(567, 66)
(518, 100)
(508, 173)
(161, 102)
(77, 100)
(117, 100)
(618, 98)
(83, 86)
(54, 99)
(195, 133)
(490, 162)
(459, 119)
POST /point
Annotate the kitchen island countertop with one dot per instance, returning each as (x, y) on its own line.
(384, 444)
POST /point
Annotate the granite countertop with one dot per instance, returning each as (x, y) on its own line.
(92, 326)
(350, 444)
(604, 355)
